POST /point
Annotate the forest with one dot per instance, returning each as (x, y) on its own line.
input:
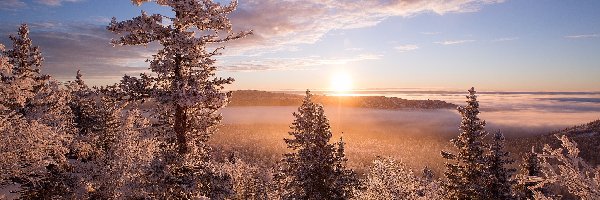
(151, 136)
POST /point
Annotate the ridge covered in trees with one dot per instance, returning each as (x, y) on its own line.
(264, 98)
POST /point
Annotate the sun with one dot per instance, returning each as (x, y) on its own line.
(341, 82)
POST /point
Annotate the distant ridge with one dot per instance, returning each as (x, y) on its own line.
(264, 98)
(587, 137)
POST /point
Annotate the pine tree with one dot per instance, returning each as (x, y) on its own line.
(466, 173)
(114, 148)
(184, 87)
(82, 105)
(530, 168)
(315, 169)
(500, 183)
(36, 124)
(345, 180)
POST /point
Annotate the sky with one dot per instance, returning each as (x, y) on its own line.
(494, 45)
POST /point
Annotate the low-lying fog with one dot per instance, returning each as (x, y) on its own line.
(415, 136)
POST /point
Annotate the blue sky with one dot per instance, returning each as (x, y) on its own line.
(523, 45)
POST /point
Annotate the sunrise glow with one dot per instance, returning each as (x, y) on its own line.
(341, 82)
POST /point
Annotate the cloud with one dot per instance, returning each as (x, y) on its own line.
(302, 63)
(353, 49)
(19, 4)
(595, 35)
(69, 47)
(279, 24)
(453, 42)
(430, 33)
(55, 2)
(506, 39)
(406, 48)
(11, 4)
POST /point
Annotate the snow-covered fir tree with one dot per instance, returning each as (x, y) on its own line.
(564, 167)
(82, 104)
(249, 181)
(30, 93)
(35, 122)
(315, 169)
(530, 169)
(466, 169)
(185, 89)
(113, 165)
(500, 181)
(346, 181)
(391, 179)
(114, 147)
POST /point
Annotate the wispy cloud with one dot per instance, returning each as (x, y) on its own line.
(430, 33)
(20, 4)
(278, 24)
(595, 35)
(68, 47)
(55, 2)
(453, 42)
(11, 4)
(303, 63)
(505, 39)
(406, 48)
(353, 49)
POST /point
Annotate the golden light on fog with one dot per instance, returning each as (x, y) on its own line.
(341, 82)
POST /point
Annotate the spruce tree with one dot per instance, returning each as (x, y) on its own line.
(530, 168)
(500, 182)
(28, 92)
(185, 89)
(466, 171)
(315, 168)
(345, 180)
(35, 122)
(82, 104)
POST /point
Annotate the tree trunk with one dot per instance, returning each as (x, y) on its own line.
(180, 125)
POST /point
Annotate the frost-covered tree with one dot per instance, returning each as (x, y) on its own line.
(565, 167)
(82, 104)
(466, 171)
(30, 93)
(185, 89)
(391, 179)
(346, 180)
(113, 165)
(315, 168)
(32, 155)
(22, 76)
(35, 123)
(500, 182)
(530, 170)
(112, 152)
(249, 181)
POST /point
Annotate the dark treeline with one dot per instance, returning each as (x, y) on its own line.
(263, 98)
